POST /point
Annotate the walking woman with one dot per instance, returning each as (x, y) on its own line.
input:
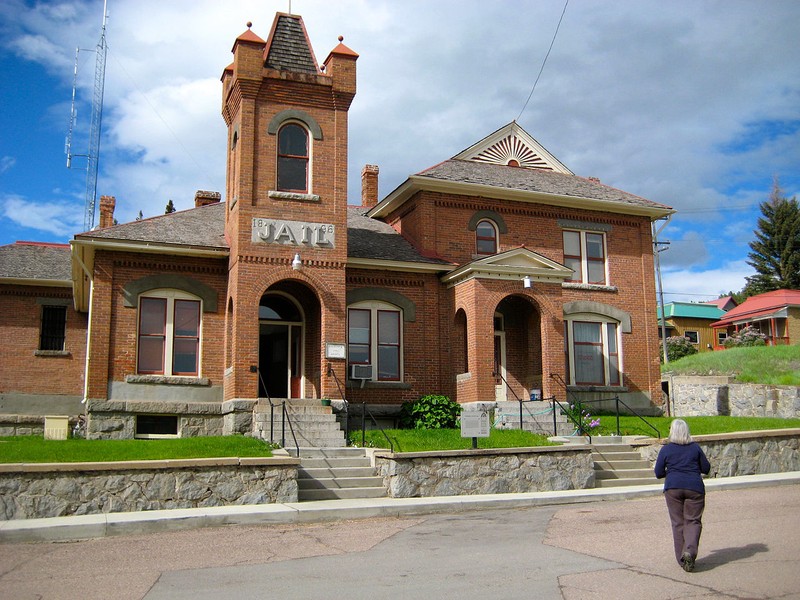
(682, 462)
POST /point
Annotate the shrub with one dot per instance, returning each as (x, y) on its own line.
(678, 347)
(582, 416)
(430, 412)
(749, 336)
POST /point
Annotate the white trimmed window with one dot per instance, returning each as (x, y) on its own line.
(486, 237)
(585, 254)
(374, 338)
(294, 157)
(692, 336)
(593, 352)
(168, 334)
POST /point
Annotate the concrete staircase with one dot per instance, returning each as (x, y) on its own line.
(337, 473)
(617, 464)
(537, 417)
(314, 425)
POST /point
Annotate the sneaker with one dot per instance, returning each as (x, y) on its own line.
(687, 562)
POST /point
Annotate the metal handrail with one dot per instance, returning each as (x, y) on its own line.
(617, 401)
(364, 411)
(285, 417)
(332, 373)
(568, 413)
(518, 399)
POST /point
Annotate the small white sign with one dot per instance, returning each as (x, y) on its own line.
(474, 424)
(335, 350)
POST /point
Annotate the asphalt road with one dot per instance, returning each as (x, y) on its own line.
(604, 550)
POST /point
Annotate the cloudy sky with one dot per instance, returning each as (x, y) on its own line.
(694, 104)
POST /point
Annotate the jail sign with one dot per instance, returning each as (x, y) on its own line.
(293, 233)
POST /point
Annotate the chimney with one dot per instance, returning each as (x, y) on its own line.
(369, 186)
(107, 204)
(203, 198)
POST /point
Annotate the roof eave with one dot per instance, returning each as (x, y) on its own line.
(150, 247)
(417, 183)
(35, 282)
(397, 265)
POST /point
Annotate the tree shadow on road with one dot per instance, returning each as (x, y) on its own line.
(724, 556)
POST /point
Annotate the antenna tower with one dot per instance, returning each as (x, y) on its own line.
(93, 155)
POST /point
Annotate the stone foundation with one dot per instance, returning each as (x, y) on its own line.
(33, 491)
(499, 471)
(709, 396)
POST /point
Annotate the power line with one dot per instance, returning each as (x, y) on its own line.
(544, 61)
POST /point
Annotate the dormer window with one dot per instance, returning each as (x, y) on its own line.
(486, 237)
(293, 158)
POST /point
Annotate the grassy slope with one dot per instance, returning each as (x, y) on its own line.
(774, 365)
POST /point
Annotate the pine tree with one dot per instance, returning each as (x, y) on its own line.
(170, 208)
(775, 253)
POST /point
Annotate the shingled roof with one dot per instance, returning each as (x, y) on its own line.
(202, 227)
(533, 180)
(288, 48)
(35, 261)
(371, 239)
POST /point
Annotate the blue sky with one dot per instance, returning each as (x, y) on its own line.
(692, 104)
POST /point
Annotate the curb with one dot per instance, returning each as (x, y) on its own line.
(157, 521)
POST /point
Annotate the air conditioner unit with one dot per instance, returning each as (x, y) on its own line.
(360, 371)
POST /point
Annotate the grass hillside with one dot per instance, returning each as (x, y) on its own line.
(773, 365)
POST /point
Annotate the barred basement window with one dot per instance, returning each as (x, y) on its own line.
(156, 426)
(54, 328)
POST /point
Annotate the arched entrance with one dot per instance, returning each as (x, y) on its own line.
(281, 333)
(517, 348)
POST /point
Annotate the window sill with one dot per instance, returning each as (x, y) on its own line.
(275, 195)
(590, 287)
(167, 380)
(383, 385)
(52, 353)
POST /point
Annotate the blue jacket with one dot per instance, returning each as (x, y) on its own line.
(682, 465)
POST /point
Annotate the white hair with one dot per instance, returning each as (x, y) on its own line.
(679, 433)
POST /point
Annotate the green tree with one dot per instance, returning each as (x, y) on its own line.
(775, 253)
(170, 208)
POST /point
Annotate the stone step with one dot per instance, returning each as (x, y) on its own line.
(341, 452)
(339, 483)
(614, 464)
(340, 494)
(325, 463)
(334, 472)
(606, 483)
(624, 474)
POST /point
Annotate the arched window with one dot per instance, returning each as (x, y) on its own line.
(169, 333)
(486, 237)
(293, 156)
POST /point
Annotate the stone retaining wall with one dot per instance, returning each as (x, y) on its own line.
(29, 491)
(744, 452)
(709, 396)
(499, 471)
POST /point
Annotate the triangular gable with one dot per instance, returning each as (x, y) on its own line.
(512, 145)
(510, 265)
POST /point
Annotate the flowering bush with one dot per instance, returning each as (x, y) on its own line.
(749, 336)
(582, 416)
(679, 346)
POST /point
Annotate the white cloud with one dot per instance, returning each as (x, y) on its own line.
(61, 219)
(7, 163)
(699, 285)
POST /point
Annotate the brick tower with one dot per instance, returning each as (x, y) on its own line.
(286, 217)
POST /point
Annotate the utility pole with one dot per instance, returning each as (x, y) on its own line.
(657, 251)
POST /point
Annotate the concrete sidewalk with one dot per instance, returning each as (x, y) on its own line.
(114, 524)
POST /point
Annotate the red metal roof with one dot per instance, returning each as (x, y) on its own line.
(760, 306)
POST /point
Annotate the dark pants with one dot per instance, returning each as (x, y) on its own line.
(685, 513)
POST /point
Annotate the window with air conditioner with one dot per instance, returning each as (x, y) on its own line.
(374, 341)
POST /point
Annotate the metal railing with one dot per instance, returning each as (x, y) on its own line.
(523, 401)
(285, 418)
(364, 411)
(617, 401)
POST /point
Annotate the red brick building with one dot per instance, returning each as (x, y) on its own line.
(492, 274)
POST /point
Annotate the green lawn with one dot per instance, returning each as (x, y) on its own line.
(35, 449)
(773, 365)
(697, 425)
(423, 440)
